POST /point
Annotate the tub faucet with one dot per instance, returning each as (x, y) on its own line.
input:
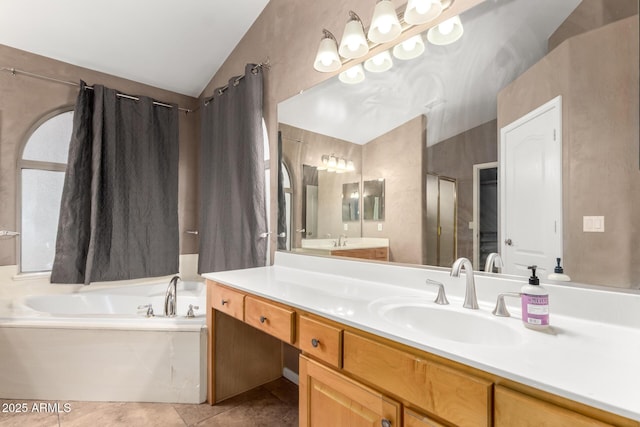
(171, 297)
(493, 259)
(470, 299)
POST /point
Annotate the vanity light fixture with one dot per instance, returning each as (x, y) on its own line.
(410, 48)
(324, 163)
(446, 32)
(333, 163)
(379, 63)
(353, 75)
(385, 25)
(354, 44)
(327, 58)
(422, 11)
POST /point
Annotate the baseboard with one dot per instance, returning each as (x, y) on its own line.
(290, 375)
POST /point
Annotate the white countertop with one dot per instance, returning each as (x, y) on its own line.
(590, 355)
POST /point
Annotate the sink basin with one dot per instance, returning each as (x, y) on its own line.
(449, 323)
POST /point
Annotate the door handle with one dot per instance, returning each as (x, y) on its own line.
(508, 242)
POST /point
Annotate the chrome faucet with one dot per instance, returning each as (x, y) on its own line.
(493, 259)
(342, 240)
(171, 297)
(470, 299)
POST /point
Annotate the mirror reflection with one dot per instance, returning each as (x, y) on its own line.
(449, 132)
(373, 199)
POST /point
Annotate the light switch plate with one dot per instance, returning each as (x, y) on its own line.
(346, 227)
(593, 224)
(379, 226)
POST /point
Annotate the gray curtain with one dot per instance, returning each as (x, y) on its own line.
(119, 209)
(282, 203)
(232, 198)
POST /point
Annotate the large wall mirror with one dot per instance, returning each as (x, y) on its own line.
(438, 130)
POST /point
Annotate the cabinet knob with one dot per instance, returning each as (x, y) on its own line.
(385, 423)
(315, 342)
(263, 319)
(224, 301)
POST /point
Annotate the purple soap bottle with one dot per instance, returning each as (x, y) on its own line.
(535, 303)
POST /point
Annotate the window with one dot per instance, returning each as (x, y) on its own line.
(41, 177)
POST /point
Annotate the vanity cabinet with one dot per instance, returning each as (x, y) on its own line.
(328, 398)
(379, 254)
(349, 377)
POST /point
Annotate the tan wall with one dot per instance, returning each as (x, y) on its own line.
(597, 75)
(592, 14)
(404, 195)
(24, 100)
(454, 158)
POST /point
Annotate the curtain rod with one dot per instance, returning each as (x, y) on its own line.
(219, 91)
(15, 71)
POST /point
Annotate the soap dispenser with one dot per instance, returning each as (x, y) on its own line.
(535, 303)
(558, 273)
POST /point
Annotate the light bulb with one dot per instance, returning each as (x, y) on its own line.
(384, 25)
(423, 7)
(326, 60)
(352, 72)
(378, 59)
(353, 44)
(409, 44)
(446, 27)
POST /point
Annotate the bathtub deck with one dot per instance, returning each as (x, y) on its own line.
(275, 403)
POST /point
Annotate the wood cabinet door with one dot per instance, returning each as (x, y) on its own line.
(328, 398)
(514, 409)
(454, 396)
(415, 419)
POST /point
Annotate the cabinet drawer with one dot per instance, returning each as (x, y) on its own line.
(321, 341)
(517, 409)
(381, 254)
(228, 301)
(270, 318)
(459, 398)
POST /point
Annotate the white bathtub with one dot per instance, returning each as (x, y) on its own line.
(96, 345)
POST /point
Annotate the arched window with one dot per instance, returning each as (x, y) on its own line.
(41, 170)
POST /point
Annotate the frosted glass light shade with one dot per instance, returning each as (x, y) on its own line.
(410, 48)
(422, 11)
(446, 32)
(379, 63)
(353, 43)
(385, 25)
(352, 76)
(327, 58)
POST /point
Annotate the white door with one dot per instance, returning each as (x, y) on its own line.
(531, 190)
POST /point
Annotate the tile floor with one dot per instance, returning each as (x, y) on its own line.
(273, 404)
